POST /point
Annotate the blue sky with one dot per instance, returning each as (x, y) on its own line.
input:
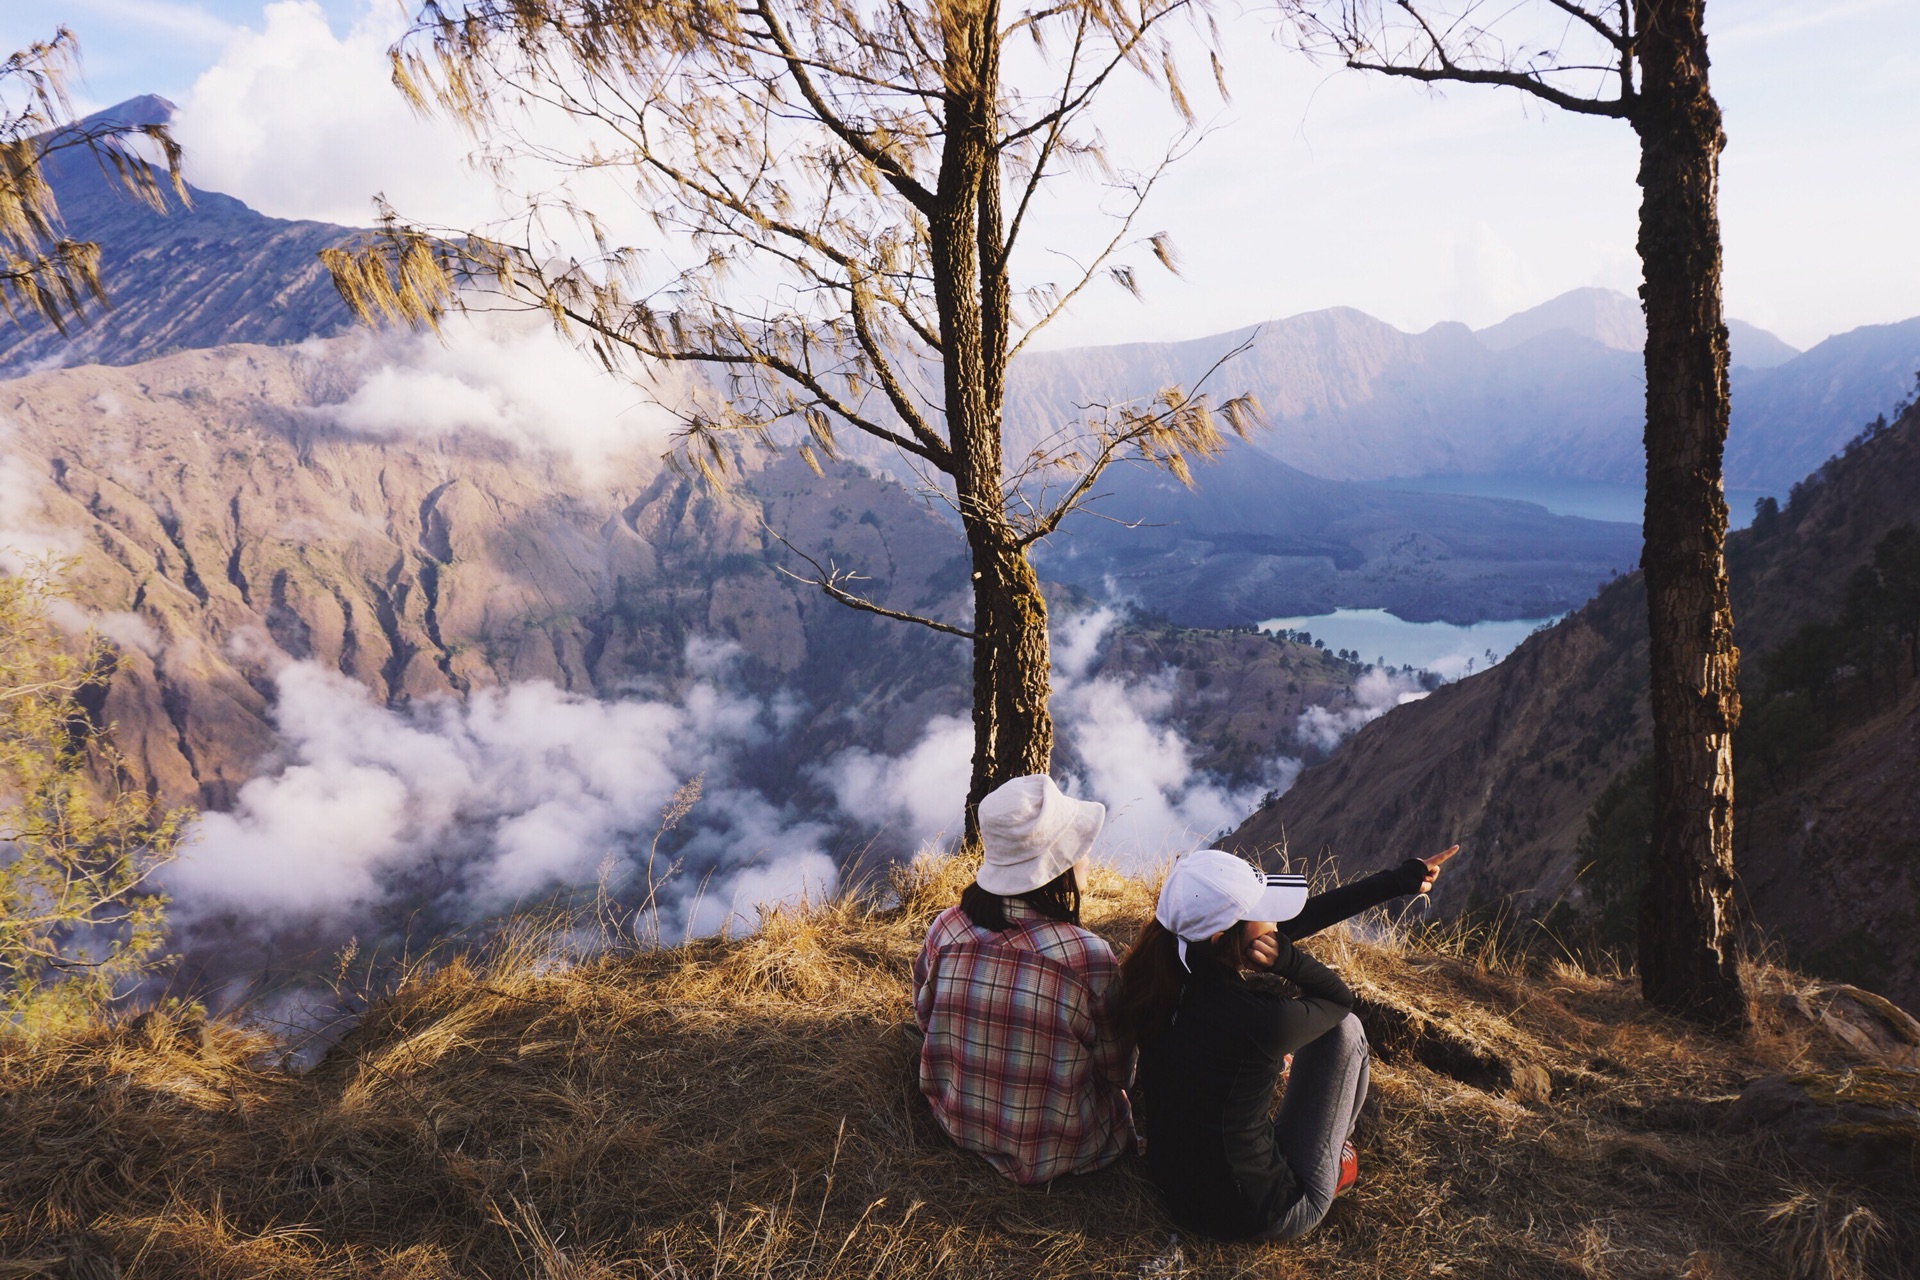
(1317, 187)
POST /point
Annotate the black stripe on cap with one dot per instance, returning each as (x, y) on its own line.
(1282, 880)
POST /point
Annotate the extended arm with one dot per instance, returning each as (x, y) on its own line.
(1349, 900)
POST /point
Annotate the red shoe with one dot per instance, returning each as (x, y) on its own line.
(1349, 1169)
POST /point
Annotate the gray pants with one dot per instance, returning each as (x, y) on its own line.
(1324, 1093)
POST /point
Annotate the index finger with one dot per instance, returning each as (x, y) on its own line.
(1439, 859)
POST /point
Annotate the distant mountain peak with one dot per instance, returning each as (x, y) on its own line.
(196, 275)
(1613, 319)
(148, 108)
(1755, 348)
(1610, 318)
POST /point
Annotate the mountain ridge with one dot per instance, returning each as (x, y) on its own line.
(1557, 393)
(1255, 539)
(202, 275)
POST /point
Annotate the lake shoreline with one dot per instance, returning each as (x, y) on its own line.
(1381, 639)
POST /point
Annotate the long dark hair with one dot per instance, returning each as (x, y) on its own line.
(1152, 977)
(1057, 899)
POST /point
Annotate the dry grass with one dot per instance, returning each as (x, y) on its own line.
(747, 1108)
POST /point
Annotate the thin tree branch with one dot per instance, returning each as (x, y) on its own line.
(829, 579)
(896, 173)
(1112, 447)
(1612, 107)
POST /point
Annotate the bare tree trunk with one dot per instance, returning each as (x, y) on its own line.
(1689, 962)
(1012, 728)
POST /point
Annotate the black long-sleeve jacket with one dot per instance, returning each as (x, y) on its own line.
(1207, 1083)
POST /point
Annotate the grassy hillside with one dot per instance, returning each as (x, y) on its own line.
(747, 1107)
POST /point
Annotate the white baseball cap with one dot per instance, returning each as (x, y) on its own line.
(1210, 890)
(1031, 831)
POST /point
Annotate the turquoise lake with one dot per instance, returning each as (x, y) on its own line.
(1441, 647)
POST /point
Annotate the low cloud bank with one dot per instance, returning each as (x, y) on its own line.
(461, 810)
(465, 809)
(1377, 692)
(1121, 749)
(509, 377)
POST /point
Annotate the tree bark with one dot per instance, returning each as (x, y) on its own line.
(1012, 727)
(1689, 961)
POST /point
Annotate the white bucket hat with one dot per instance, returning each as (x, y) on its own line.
(1209, 891)
(1031, 831)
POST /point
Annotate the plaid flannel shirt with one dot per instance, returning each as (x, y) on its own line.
(1023, 1061)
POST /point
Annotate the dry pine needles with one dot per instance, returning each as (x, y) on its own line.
(746, 1108)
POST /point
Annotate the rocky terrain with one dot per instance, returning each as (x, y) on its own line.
(220, 509)
(1515, 762)
(228, 525)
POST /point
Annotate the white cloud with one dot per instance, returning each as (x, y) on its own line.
(469, 808)
(1158, 803)
(25, 531)
(510, 377)
(301, 123)
(1377, 692)
(737, 900)
(919, 793)
(1129, 756)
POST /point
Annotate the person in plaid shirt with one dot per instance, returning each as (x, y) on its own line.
(1023, 1060)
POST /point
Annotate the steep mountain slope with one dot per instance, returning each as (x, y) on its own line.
(1512, 761)
(1257, 539)
(217, 503)
(230, 524)
(1789, 418)
(192, 277)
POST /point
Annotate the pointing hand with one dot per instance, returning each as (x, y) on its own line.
(1434, 864)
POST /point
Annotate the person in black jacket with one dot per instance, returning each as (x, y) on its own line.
(1213, 1045)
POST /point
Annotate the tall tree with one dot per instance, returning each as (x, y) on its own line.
(838, 193)
(44, 274)
(1645, 62)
